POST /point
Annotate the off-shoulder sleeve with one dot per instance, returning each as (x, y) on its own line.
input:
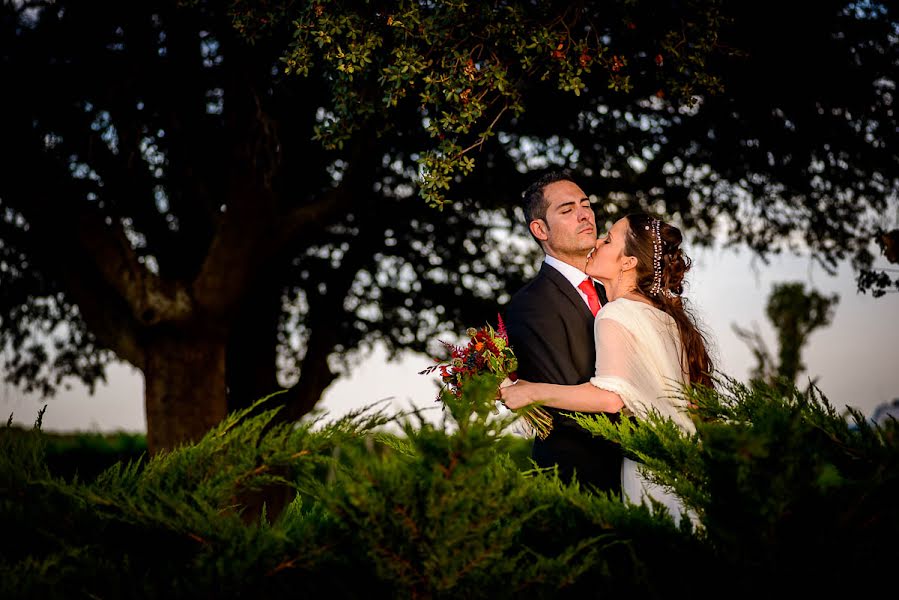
(619, 365)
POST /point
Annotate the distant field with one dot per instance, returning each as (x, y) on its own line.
(86, 454)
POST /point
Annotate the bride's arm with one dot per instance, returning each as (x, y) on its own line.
(581, 398)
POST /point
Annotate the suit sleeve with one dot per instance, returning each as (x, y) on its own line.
(533, 334)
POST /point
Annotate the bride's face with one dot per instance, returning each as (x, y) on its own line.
(605, 261)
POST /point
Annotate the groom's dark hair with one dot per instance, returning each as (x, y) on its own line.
(534, 202)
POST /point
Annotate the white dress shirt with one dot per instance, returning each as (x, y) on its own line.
(574, 275)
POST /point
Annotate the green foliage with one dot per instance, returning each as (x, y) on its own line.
(209, 505)
(466, 65)
(786, 490)
(795, 314)
(28, 448)
(86, 455)
(254, 508)
(424, 529)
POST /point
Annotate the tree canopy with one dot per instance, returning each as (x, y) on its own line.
(224, 195)
(769, 124)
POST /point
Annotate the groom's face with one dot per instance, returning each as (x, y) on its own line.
(569, 230)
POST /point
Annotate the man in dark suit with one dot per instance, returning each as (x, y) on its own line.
(550, 326)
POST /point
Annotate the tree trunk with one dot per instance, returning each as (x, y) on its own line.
(184, 389)
(315, 376)
(251, 359)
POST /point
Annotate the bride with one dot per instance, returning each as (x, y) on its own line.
(647, 344)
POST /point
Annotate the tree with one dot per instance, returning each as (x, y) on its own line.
(173, 198)
(795, 314)
(798, 152)
(167, 202)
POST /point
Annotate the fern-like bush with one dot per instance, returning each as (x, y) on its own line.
(787, 494)
(787, 489)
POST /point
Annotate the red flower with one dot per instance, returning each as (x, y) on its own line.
(487, 351)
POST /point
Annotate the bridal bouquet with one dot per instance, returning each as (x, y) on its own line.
(487, 351)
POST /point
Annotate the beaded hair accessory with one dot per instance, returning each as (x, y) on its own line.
(656, 258)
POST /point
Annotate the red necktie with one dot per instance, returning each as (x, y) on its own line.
(586, 286)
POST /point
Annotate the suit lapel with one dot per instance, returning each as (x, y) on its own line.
(567, 289)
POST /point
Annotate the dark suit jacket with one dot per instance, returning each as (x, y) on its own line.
(551, 332)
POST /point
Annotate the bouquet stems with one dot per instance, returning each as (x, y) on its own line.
(537, 421)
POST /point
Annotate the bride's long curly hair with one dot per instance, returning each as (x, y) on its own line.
(674, 266)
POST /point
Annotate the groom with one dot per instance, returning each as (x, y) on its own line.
(550, 326)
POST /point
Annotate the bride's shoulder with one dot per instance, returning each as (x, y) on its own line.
(624, 309)
(615, 308)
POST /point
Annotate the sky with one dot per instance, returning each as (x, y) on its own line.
(854, 359)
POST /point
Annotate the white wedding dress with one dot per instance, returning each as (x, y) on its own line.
(638, 357)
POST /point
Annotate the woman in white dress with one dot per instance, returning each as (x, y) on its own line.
(647, 344)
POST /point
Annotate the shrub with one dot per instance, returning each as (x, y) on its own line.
(783, 486)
